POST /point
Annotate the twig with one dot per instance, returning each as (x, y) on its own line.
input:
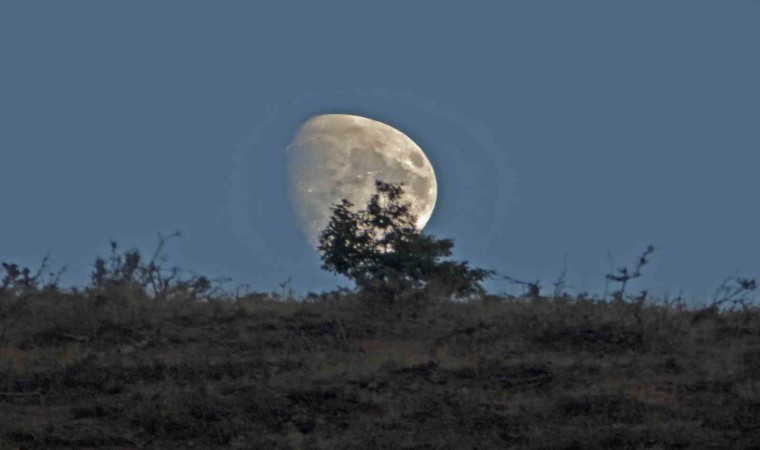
(75, 337)
(534, 288)
(132, 441)
(559, 284)
(625, 276)
(343, 332)
(21, 394)
(284, 285)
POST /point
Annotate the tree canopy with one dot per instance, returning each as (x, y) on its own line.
(381, 249)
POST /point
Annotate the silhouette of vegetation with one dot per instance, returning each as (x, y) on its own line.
(145, 358)
(20, 279)
(624, 276)
(382, 251)
(128, 270)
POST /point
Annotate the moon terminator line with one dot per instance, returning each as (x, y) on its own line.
(337, 156)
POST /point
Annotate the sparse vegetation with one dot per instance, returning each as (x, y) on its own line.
(142, 358)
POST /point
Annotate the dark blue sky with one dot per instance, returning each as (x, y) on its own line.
(555, 128)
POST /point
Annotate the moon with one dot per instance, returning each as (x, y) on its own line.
(339, 156)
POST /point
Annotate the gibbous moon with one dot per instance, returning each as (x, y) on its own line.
(337, 156)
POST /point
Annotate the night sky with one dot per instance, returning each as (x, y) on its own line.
(558, 131)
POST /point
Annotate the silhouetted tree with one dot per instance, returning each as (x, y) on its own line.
(381, 250)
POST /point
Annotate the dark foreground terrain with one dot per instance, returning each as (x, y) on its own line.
(118, 370)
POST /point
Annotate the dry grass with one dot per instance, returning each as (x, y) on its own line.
(120, 369)
(143, 359)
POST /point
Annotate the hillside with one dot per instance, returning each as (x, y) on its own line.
(115, 368)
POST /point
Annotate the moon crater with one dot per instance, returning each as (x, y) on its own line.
(337, 156)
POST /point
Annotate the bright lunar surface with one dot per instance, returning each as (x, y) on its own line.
(337, 156)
